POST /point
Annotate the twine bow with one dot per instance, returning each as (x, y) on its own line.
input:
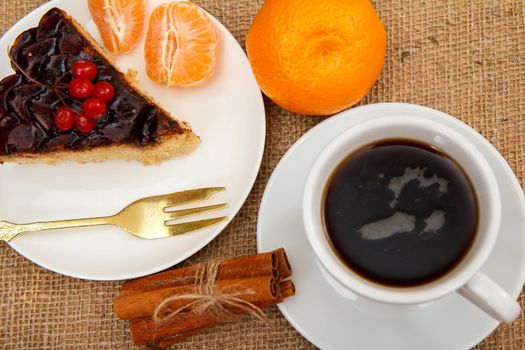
(209, 299)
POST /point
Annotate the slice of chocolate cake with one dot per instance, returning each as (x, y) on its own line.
(133, 127)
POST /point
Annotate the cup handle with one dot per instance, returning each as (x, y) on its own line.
(491, 298)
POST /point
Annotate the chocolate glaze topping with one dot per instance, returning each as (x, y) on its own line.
(46, 54)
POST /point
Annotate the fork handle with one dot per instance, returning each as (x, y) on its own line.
(9, 230)
(52, 225)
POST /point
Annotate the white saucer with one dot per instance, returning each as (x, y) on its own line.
(330, 320)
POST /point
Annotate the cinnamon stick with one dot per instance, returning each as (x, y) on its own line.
(265, 264)
(287, 289)
(255, 290)
(144, 331)
(186, 324)
(285, 270)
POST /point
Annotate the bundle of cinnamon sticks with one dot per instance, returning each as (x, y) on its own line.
(170, 306)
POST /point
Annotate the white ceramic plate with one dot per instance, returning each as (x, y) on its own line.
(332, 321)
(227, 112)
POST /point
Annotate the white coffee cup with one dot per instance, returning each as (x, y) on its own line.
(465, 278)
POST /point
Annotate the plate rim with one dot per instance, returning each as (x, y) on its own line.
(409, 107)
(18, 27)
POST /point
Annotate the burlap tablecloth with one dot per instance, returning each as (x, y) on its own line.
(466, 58)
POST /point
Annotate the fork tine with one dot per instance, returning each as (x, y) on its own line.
(178, 229)
(191, 211)
(184, 197)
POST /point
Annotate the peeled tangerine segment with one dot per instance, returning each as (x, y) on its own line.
(120, 22)
(181, 45)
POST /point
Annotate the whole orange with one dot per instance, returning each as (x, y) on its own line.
(316, 57)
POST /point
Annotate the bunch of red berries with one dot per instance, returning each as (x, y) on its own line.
(95, 97)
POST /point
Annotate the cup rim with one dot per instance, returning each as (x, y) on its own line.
(399, 295)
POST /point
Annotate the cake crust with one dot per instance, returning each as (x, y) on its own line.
(176, 145)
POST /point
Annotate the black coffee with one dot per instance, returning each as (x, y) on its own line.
(400, 213)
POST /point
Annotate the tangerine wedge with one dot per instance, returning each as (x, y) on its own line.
(120, 22)
(181, 45)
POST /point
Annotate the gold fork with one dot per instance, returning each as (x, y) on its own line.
(145, 218)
